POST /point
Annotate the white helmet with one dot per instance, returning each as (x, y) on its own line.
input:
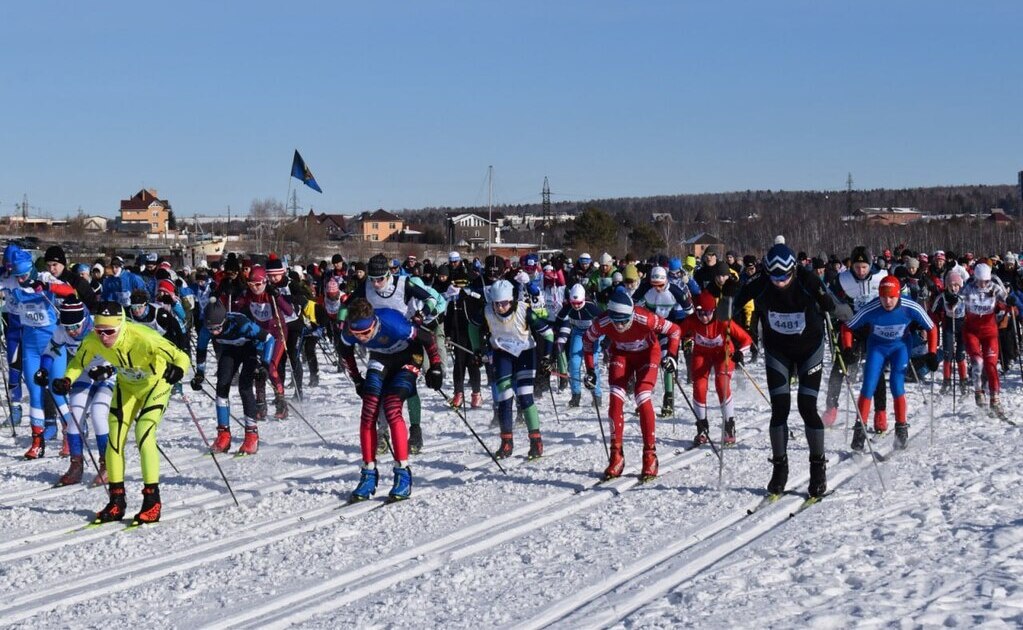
(605, 259)
(501, 291)
(577, 294)
(982, 271)
(658, 276)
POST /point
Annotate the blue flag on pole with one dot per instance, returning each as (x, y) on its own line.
(301, 171)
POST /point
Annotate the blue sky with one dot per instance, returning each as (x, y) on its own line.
(405, 104)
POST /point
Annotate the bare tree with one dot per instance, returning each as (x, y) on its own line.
(267, 209)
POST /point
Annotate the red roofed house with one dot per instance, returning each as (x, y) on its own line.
(145, 213)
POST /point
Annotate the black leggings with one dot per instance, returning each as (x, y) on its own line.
(781, 365)
(231, 360)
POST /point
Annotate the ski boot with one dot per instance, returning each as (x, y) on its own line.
(901, 435)
(457, 400)
(38, 448)
(979, 398)
(222, 443)
(150, 506)
(250, 445)
(535, 445)
(49, 429)
(830, 416)
(575, 400)
(402, 488)
(367, 486)
(506, 447)
(996, 407)
(73, 474)
(150, 512)
(562, 384)
(859, 437)
(101, 477)
(818, 477)
(649, 470)
(114, 511)
(702, 433)
(667, 406)
(779, 476)
(946, 387)
(615, 465)
(415, 439)
(280, 407)
(730, 432)
(880, 422)
(476, 401)
(314, 379)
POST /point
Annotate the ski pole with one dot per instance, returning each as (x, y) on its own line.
(1015, 331)
(710, 440)
(931, 443)
(473, 431)
(78, 426)
(198, 426)
(299, 413)
(750, 378)
(955, 367)
(859, 416)
(600, 423)
(3, 372)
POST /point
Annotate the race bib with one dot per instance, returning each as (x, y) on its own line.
(513, 347)
(34, 315)
(131, 373)
(890, 333)
(261, 311)
(708, 342)
(787, 323)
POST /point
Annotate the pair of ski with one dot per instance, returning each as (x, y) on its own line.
(132, 525)
(772, 498)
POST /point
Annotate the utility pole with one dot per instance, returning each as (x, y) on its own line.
(294, 204)
(546, 203)
(24, 207)
(490, 208)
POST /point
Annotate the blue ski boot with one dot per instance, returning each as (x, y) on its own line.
(367, 486)
(50, 429)
(402, 485)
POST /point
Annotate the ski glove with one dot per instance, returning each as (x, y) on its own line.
(101, 372)
(590, 380)
(826, 302)
(849, 358)
(669, 364)
(435, 376)
(546, 363)
(360, 385)
(932, 361)
(951, 298)
(41, 377)
(61, 386)
(1011, 300)
(173, 374)
(738, 357)
(197, 381)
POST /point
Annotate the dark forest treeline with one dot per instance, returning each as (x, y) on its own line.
(748, 221)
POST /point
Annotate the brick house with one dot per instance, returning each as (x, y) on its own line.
(145, 213)
(335, 226)
(378, 226)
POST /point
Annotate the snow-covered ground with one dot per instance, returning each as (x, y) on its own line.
(541, 546)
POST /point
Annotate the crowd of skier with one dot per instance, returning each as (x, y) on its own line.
(104, 347)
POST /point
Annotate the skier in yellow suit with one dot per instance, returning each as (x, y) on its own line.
(147, 366)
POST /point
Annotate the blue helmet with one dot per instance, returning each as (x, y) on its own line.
(675, 264)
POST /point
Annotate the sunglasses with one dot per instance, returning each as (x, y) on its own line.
(502, 304)
(215, 329)
(257, 283)
(106, 332)
(378, 279)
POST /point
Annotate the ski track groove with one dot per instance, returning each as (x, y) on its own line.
(300, 606)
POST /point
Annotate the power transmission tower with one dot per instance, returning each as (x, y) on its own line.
(294, 204)
(848, 195)
(546, 203)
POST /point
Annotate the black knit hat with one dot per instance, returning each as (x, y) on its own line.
(860, 254)
(54, 253)
(215, 314)
(72, 311)
(232, 263)
(336, 258)
(378, 266)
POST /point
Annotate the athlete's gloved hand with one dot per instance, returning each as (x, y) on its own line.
(101, 372)
(669, 364)
(197, 381)
(730, 288)
(849, 357)
(61, 386)
(826, 302)
(435, 376)
(272, 290)
(173, 374)
(590, 380)
(932, 361)
(951, 298)
(41, 377)
(738, 357)
(1011, 300)
(360, 384)
(478, 358)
